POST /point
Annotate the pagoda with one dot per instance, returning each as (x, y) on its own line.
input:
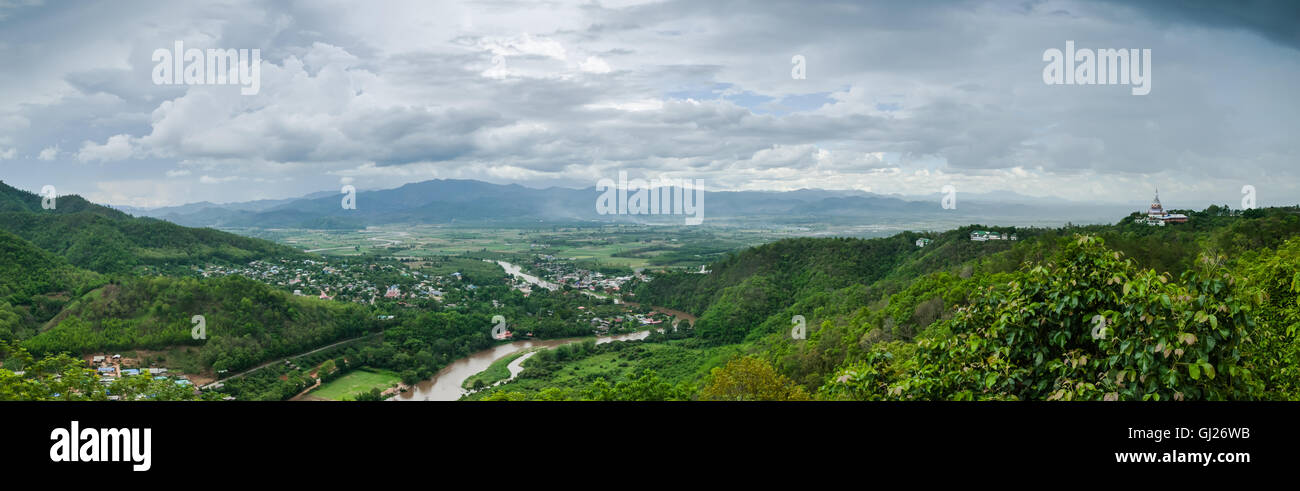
(1157, 216)
(1156, 209)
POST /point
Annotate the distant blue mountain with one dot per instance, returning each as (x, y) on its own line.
(444, 201)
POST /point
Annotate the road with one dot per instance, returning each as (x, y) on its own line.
(281, 360)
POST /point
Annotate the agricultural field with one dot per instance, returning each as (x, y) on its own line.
(618, 246)
(346, 387)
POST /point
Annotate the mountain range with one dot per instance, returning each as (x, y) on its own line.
(448, 201)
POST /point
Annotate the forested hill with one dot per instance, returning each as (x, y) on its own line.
(50, 258)
(16, 200)
(26, 270)
(105, 240)
(246, 321)
(1202, 310)
(34, 285)
(741, 291)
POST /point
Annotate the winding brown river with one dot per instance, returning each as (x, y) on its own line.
(446, 384)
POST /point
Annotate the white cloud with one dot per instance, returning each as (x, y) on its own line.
(206, 179)
(594, 64)
(118, 147)
(525, 44)
(637, 105)
(144, 193)
(8, 154)
(49, 153)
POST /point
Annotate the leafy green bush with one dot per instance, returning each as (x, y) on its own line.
(1087, 325)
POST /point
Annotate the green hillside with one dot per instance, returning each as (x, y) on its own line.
(104, 240)
(246, 321)
(48, 306)
(34, 286)
(50, 259)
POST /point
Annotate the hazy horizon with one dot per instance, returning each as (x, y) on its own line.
(983, 197)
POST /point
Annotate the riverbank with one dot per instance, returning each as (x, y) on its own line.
(446, 385)
(497, 372)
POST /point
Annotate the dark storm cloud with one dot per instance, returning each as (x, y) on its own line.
(1275, 20)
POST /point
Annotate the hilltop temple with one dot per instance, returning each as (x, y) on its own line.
(1156, 214)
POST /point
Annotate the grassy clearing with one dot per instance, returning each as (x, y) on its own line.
(499, 370)
(184, 359)
(361, 380)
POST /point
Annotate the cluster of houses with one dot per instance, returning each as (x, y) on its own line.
(354, 282)
(603, 325)
(565, 273)
(976, 236)
(985, 235)
(346, 281)
(110, 368)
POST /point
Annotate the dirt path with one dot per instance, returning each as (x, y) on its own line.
(302, 394)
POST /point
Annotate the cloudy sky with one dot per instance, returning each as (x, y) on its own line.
(897, 98)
